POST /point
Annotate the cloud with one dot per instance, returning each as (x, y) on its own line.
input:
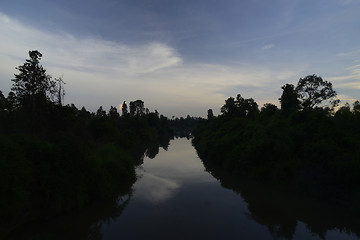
(345, 98)
(353, 53)
(66, 51)
(99, 72)
(350, 79)
(269, 46)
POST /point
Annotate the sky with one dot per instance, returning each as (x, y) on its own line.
(186, 56)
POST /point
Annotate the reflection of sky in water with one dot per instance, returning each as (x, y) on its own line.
(175, 198)
(179, 163)
(162, 176)
(155, 189)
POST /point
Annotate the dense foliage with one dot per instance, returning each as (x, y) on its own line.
(309, 148)
(55, 158)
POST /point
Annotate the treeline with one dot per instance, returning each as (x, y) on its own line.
(306, 145)
(183, 127)
(56, 158)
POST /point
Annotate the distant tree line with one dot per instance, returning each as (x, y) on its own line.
(55, 158)
(183, 127)
(308, 144)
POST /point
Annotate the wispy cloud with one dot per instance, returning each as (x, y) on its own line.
(344, 99)
(353, 75)
(353, 53)
(65, 51)
(269, 46)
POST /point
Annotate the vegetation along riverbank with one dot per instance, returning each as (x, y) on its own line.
(57, 158)
(309, 145)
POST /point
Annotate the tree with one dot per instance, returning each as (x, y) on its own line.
(2, 102)
(356, 107)
(344, 114)
(137, 108)
(147, 111)
(289, 99)
(59, 90)
(32, 86)
(312, 90)
(100, 112)
(113, 113)
(240, 107)
(210, 114)
(268, 110)
(124, 109)
(229, 108)
(10, 101)
(246, 107)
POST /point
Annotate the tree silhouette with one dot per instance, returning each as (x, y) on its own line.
(32, 86)
(240, 107)
(289, 99)
(312, 90)
(246, 107)
(60, 91)
(113, 113)
(10, 101)
(210, 114)
(268, 110)
(124, 109)
(229, 108)
(137, 108)
(100, 112)
(356, 107)
(2, 102)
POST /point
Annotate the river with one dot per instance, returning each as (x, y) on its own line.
(176, 196)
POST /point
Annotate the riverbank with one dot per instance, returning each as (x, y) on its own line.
(309, 152)
(68, 159)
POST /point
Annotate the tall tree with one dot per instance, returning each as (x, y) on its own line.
(32, 86)
(210, 114)
(312, 90)
(100, 112)
(60, 90)
(268, 110)
(246, 107)
(2, 102)
(113, 113)
(10, 101)
(229, 108)
(137, 108)
(289, 99)
(240, 107)
(356, 107)
(124, 109)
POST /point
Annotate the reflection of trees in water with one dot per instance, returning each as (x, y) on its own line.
(153, 148)
(86, 224)
(280, 211)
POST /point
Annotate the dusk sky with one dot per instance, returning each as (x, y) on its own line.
(186, 56)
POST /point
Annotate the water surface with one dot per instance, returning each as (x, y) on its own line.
(175, 198)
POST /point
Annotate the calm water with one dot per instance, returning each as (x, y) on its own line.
(176, 198)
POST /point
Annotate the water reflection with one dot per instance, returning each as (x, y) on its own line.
(86, 224)
(282, 213)
(175, 198)
(156, 189)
